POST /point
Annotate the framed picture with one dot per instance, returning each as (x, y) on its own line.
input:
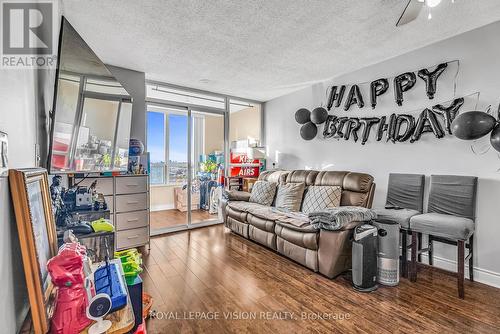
(37, 236)
(4, 160)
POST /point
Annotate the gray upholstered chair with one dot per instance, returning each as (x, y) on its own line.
(405, 197)
(449, 219)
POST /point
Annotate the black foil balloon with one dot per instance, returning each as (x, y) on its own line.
(367, 123)
(449, 113)
(340, 126)
(409, 120)
(354, 97)
(472, 125)
(430, 78)
(335, 96)
(352, 127)
(319, 115)
(435, 125)
(391, 131)
(382, 127)
(427, 122)
(330, 127)
(495, 138)
(377, 88)
(308, 131)
(402, 83)
(302, 116)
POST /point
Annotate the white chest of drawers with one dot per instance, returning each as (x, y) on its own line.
(127, 197)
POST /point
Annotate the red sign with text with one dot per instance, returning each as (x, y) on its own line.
(242, 158)
(244, 172)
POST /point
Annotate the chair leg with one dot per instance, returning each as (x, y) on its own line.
(404, 254)
(461, 268)
(471, 258)
(414, 250)
(430, 244)
(419, 247)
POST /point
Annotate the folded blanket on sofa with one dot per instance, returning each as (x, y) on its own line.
(335, 218)
(298, 219)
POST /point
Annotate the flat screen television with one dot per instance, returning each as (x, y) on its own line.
(92, 111)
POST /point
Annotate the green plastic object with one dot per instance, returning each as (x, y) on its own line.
(131, 262)
(102, 225)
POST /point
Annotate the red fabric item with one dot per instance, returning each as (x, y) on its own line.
(141, 329)
(66, 272)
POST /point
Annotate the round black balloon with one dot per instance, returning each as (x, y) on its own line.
(308, 131)
(302, 116)
(495, 138)
(472, 125)
(319, 115)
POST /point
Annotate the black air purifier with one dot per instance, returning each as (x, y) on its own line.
(364, 258)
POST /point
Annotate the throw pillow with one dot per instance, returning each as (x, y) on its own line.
(318, 198)
(263, 192)
(290, 196)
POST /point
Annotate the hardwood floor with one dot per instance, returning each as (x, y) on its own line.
(216, 273)
(174, 217)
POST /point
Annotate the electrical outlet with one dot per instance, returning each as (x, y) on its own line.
(4, 155)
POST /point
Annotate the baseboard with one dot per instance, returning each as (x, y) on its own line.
(480, 275)
(162, 207)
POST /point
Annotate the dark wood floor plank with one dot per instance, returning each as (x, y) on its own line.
(212, 270)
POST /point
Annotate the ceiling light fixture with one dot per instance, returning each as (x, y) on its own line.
(432, 3)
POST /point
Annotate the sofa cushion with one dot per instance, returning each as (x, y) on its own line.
(290, 196)
(318, 198)
(237, 227)
(297, 226)
(306, 257)
(401, 216)
(442, 225)
(245, 206)
(261, 223)
(276, 176)
(263, 192)
(301, 176)
(265, 238)
(299, 238)
(236, 213)
(236, 195)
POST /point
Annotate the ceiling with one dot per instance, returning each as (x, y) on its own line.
(260, 49)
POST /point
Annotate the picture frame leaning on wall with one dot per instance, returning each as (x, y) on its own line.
(37, 237)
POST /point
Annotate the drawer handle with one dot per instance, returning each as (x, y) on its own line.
(132, 202)
(133, 220)
(132, 184)
(133, 237)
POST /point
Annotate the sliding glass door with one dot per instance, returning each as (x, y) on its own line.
(207, 157)
(187, 164)
(167, 138)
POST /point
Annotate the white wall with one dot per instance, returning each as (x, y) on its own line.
(478, 52)
(17, 119)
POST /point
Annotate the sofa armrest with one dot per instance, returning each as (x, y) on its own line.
(235, 195)
(351, 225)
(334, 252)
(231, 195)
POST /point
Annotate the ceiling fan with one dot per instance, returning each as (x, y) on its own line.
(413, 9)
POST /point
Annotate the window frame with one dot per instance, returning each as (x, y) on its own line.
(166, 144)
(161, 103)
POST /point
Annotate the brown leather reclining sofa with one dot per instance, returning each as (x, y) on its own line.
(328, 252)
